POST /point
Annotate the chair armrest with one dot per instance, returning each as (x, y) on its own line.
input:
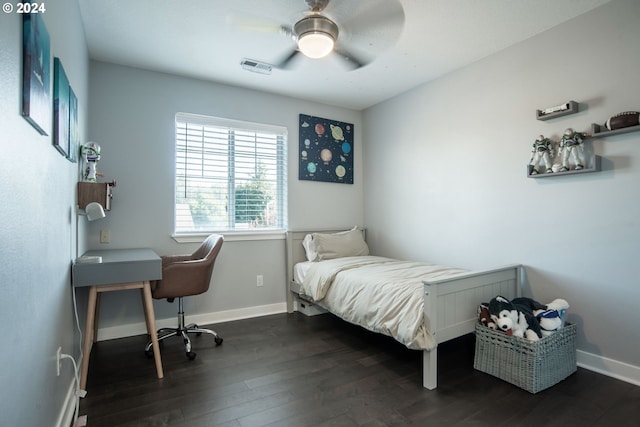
(183, 278)
(170, 259)
(184, 266)
(166, 261)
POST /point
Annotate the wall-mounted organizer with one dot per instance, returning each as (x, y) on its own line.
(600, 131)
(95, 192)
(593, 166)
(565, 109)
(570, 107)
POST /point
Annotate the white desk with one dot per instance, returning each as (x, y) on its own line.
(120, 269)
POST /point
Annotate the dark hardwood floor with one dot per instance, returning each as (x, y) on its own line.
(292, 370)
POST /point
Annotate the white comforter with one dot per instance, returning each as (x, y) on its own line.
(381, 294)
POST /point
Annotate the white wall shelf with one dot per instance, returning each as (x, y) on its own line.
(572, 107)
(595, 167)
(600, 131)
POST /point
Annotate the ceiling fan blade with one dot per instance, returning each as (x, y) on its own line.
(286, 62)
(375, 27)
(381, 15)
(255, 24)
(287, 31)
(350, 59)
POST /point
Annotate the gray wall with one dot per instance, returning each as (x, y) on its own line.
(132, 116)
(37, 225)
(456, 190)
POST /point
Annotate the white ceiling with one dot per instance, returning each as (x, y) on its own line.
(207, 39)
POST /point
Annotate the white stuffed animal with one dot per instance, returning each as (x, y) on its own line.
(515, 317)
(552, 318)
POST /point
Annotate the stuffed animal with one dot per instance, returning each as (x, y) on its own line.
(552, 317)
(484, 317)
(516, 317)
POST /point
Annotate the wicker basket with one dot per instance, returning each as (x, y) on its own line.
(530, 365)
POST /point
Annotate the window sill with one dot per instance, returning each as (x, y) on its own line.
(232, 236)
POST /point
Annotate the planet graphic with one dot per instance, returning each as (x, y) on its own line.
(303, 153)
(319, 129)
(336, 132)
(346, 147)
(311, 167)
(340, 171)
(307, 143)
(326, 155)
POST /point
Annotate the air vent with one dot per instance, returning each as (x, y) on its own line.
(256, 66)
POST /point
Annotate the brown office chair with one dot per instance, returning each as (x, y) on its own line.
(182, 276)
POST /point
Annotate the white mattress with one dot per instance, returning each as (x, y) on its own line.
(381, 294)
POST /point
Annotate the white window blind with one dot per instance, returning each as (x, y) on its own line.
(230, 175)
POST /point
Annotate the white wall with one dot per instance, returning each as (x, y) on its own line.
(132, 117)
(37, 225)
(454, 188)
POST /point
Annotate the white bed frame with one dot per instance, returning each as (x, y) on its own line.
(451, 304)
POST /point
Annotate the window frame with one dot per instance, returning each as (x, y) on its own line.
(262, 233)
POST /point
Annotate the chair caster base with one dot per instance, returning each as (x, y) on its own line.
(181, 332)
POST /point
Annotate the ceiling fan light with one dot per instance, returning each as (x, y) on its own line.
(315, 44)
(316, 35)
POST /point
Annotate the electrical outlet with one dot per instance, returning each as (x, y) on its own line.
(105, 236)
(58, 361)
(259, 280)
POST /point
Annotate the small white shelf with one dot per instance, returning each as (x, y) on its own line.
(572, 107)
(598, 131)
(595, 167)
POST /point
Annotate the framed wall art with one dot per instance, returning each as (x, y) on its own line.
(60, 108)
(325, 150)
(74, 132)
(36, 73)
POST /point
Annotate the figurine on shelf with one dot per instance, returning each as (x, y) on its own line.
(90, 155)
(571, 149)
(542, 151)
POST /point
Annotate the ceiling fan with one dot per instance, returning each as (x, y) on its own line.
(354, 30)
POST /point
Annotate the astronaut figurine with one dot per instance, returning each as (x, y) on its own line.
(90, 156)
(571, 148)
(542, 150)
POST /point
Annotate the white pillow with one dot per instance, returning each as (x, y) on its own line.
(309, 247)
(321, 246)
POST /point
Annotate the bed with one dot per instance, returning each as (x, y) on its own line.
(434, 303)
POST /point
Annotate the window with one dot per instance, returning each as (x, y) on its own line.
(230, 175)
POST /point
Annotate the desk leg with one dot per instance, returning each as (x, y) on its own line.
(151, 326)
(88, 336)
(144, 308)
(96, 320)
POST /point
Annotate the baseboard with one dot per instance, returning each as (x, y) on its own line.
(609, 367)
(68, 409)
(132, 329)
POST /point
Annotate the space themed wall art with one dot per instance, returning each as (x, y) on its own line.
(326, 150)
